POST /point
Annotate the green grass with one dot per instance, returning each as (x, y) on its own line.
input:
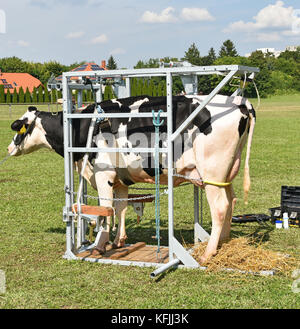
(32, 234)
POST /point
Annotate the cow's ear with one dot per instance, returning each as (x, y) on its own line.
(32, 108)
(18, 124)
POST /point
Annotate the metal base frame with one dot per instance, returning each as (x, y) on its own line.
(177, 253)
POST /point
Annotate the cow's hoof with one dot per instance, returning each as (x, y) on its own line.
(120, 244)
(98, 251)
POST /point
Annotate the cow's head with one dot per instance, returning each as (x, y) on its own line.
(30, 134)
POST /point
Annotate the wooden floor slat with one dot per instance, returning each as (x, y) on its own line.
(138, 252)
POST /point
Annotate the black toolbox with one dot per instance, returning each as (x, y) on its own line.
(290, 203)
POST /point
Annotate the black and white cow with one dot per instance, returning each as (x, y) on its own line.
(210, 148)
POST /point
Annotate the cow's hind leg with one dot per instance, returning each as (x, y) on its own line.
(219, 208)
(225, 234)
(121, 207)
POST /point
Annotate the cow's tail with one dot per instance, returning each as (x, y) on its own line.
(246, 169)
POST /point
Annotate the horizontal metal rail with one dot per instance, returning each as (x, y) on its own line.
(112, 115)
(162, 71)
(114, 150)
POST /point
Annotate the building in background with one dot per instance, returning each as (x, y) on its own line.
(91, 66)
(10, 81)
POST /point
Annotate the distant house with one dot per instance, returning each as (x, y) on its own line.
(10, 81)
(91, 66)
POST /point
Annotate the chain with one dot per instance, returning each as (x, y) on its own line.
(67, 190)
(153, 188)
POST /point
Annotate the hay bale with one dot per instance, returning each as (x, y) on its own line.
(245, 255)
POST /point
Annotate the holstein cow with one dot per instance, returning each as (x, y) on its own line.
(209, 149)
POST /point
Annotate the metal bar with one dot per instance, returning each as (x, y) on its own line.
(165, 267)
(112, 115)
(202, 105)
(201, 203)
(182, 254)
(68, 197)
(79, 98)
(162, 71)
(170, 166)
(114, 150)
(196, 208)
(200, 233)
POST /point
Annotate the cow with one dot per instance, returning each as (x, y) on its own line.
(210, 151)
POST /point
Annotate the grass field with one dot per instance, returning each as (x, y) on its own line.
(32, 234)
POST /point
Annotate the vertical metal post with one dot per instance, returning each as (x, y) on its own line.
(68, 164)
(79, 98)
(170, 165)
(201, 207)
(128, 86)
(196, 210)
(99, 94)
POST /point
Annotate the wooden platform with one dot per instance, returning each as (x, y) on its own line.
(138, 252)
(94, 210)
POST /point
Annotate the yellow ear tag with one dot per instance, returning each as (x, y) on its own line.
(22, 130)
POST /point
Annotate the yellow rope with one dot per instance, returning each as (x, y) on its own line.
(217, 184)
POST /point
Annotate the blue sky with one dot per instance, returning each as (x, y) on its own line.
(130, 30)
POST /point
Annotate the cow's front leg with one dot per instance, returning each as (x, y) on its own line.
(121, 206)
(104, 181)
(219, 206)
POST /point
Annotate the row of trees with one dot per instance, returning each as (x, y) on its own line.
(277, 75)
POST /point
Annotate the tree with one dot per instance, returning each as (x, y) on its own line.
(27, 96)
(108, 93)
(192, 55)
(139, 89)
(212, 55)
(133, 87)
(8, 97)
(40, 94)
(21, 95)
(46, 96)
(34, 96)
(2, 94)
(53, 98)
(111, 63)
(228, 49)
(15, 96)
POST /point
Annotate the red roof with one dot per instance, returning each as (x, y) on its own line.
(86, 67)
(18, 80)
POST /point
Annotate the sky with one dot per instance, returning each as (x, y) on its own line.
(131, 30)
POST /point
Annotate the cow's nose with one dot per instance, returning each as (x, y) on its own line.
(10, 148)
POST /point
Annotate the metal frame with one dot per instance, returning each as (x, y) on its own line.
(177, 253)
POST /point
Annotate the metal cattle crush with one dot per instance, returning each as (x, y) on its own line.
(175, 253)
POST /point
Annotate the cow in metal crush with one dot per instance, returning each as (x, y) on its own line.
(210, 148)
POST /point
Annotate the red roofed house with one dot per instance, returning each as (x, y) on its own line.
(18, 80)
(86, 67)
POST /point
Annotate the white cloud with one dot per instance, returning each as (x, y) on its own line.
(270, 24)
(102, 38)
(75, 35)
(23, 43)
(166, 16)
(118, 51)
(272, 16)
(196, 14)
